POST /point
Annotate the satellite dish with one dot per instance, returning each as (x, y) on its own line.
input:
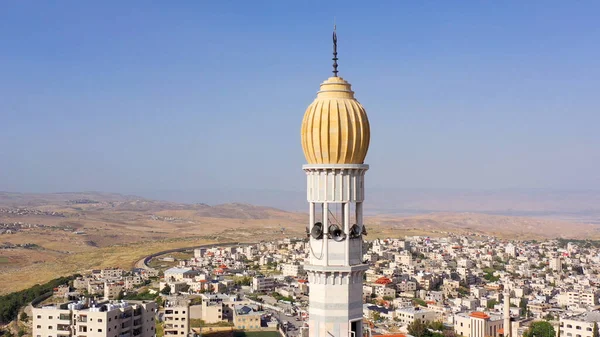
(317, 231)
(336, 233)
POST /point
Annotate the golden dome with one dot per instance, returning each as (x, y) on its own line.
(335, 129)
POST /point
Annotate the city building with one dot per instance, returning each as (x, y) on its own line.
(335, 138)
(579, 326)
(478, 324)
(408, 315)
(106, 319)
(247, 317)
(262, 284)
(176, 319)
(292, 269)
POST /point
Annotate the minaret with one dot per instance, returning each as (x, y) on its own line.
(335, 139)
(507, 325)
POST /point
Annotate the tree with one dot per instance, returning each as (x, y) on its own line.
(491, 303)
(388, 298)
(540, 329)
(23, 317)
(166, 290)
(437, 326)
(523, 305)
(595, 331)
(419, 329)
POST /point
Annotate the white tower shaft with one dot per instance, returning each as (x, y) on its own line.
(335, 268)
(507, 325)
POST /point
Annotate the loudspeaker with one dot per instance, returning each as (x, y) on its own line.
(336, 233)
(317, 231)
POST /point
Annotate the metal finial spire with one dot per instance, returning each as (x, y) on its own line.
(335, 58)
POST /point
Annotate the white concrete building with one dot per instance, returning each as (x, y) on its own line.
(109, 319)
(478, 324)
(262, 284)
(176, 319)
(292, 269)
(408, 315)
(579, 326)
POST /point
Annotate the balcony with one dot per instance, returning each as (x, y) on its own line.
(82, 319)
(63, 327)
(63, 317)
(127, 334)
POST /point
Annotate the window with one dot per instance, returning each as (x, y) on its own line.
(569, 326)
(100, 320)
(578, 327)
(49, 317)
(109, 319)
(183, 312)
(99, 330)
(39, 316)
(39, 326)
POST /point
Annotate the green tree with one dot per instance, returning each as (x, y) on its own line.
(23, 317)
(388, 298)
(419, 329)
(491, 303)
(21, 333)
(523, 305)
(166, 290)
(595, 331)
(437, 326)
(540, 329)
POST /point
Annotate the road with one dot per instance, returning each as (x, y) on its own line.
(143, 263)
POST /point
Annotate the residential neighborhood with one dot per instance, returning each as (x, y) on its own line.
(458, 284)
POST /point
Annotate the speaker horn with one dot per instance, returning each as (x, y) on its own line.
(317, 231)
(336, 233)
(355, 231)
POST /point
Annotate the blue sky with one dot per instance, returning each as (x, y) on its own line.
(138, 96)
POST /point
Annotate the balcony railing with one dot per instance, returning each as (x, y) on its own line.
(82, 319)
(63, 328)
(64, 317)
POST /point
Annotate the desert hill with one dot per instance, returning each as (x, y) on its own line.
(47, 235)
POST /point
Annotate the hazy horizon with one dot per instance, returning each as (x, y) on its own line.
(127, 97)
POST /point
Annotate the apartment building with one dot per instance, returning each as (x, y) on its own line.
(408, 315)
(107, 319)
(579, 326)
(111, 273)
(112, 290)
(176, 319)
(262, 284)
(246, 317)
(292, 269)
(586, 298)
(180, 274)
(478, 324)
(382, 290)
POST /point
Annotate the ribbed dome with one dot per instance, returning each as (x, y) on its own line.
(335, 129)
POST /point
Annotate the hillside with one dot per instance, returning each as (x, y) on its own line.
(58, 233)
